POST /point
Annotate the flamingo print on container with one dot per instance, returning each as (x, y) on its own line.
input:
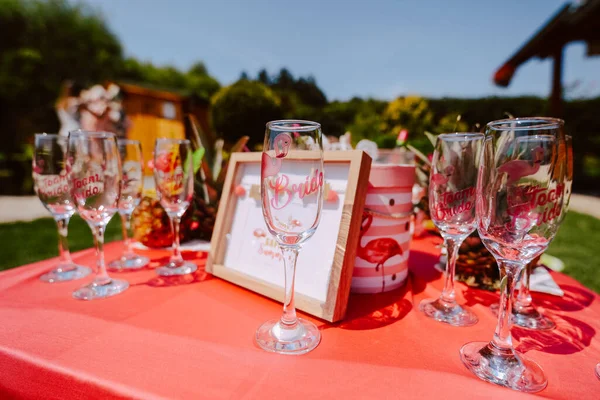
(517, 169)
(377, 251)
(442, 179)
(270, 165)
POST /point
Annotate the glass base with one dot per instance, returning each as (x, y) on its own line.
(452, 314)
(128, 263)
(528, 318)
(97, 291)
(173, 268)
(64, 273)
(276, 337)
(503, 367)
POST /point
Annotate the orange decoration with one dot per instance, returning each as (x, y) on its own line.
(239, 191)
(332, 196)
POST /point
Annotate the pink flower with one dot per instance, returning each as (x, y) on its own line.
(402, 136)
(430, 157)
(296, 134)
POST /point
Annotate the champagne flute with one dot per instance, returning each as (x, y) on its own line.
(524, 313)
(131, 195)
(452, 184)
(174, 177)
(52, 187)
(292, 198)
(519, 204)
(95, 182)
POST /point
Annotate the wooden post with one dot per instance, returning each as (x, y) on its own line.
(556, 95)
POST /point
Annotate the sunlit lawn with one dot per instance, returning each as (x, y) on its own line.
(577, 245)
(25, 242)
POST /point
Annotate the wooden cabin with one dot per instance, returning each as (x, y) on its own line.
(157, 113)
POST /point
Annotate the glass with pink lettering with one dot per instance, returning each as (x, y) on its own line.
(524, 313)
(174, 178)
(52, 187)
(95, 182)
(292, 197)
(520, 200)
(131, 195)
(452, 183)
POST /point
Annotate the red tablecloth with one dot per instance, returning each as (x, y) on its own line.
(193, 339)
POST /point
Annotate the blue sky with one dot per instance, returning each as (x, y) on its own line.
(378, 48)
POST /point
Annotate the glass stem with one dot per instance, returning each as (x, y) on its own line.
(452, 245)
(176, 257)
(128, 243)
(290, 255)
(509, 272)
(65, 263)
(523, 298)
(102, 277)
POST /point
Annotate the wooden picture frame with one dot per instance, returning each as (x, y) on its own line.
(330, 304)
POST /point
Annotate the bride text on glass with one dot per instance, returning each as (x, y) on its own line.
(284, 192)
(454, 203)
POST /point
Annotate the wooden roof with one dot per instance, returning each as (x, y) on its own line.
(571, 23)
(148, 91)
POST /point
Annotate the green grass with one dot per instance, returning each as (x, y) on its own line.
(25, 242)
(577, 244)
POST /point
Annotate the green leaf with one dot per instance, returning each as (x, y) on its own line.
(197, 158)
(422, 156)
(432, 138)
(422, 176)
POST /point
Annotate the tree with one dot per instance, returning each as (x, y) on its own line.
(367, 124)
(243, 109)
(451, 122)
(309, 93)
(198, 68)
(196, 81)
(43, 44)
(263, 77)
(285, 80)
(199, 83)
(411, 113)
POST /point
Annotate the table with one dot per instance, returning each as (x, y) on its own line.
(192, 338)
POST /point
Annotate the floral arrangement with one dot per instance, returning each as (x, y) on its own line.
(97, 108)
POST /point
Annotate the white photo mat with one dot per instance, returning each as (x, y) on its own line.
(243, 252)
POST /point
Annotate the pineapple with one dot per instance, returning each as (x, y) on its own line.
(150, 222)
(476, 266)
(151, 225)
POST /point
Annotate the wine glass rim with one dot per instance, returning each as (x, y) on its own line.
(48, 135)
(530, 123)
(173, 140)
(92, 134)
(461, 136)
(128, 141)
(305, 126)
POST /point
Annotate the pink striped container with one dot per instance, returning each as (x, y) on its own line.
(382, 255)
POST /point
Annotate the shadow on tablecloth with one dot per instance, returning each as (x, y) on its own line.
(570, 336)
(373, 311)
